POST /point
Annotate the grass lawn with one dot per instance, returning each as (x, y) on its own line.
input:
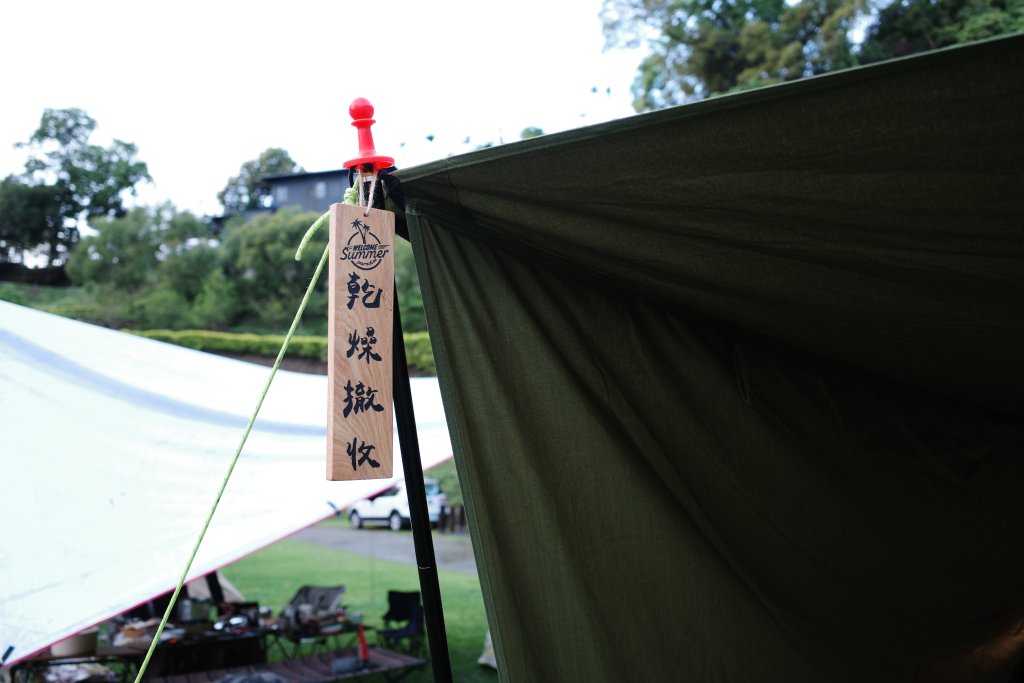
(274, 574)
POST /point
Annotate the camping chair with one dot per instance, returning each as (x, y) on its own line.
(304, 618)
(403, 623)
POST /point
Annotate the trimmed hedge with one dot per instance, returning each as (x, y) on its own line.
(417, 345)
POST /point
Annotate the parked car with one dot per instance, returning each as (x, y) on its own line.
(391, 507)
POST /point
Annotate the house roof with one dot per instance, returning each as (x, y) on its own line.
(277, 177)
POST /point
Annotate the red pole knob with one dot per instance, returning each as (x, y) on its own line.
(361, 112)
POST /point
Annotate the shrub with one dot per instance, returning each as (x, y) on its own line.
(162, 307)
(266, 345)
(417, 344)
(9, 292)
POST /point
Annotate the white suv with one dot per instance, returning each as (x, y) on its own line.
(392, 506)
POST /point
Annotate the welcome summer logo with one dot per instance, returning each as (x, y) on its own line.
(363, 248)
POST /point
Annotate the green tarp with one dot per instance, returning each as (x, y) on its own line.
(736, 389)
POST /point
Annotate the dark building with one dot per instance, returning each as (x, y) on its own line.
(308, 191)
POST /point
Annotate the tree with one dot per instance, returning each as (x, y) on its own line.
(144, 246)
(217, 304)
(706, 47)
(259, 261)
(29, 216)
(122, 253)
(147, 268)
(85, 180)
(700, 48)
(247, 190)
(909, 26)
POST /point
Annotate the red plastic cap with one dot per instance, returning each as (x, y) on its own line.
(360, 109)
(361, 112)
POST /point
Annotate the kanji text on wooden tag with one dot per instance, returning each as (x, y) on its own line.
(359, 363)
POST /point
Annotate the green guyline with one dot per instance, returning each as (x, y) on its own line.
(245, 435)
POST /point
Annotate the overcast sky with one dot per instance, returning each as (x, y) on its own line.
(201, 87)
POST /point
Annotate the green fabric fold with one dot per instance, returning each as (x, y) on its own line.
(735, 389)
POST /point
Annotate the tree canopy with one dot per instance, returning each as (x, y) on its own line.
(152, 267)
(903, 28)
(699, 48)
(29, 216)
(247, 189)
(81, 180)
(125, 251)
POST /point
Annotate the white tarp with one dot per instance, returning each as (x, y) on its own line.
(112, 449)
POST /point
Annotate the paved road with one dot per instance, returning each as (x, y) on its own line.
(453, 553)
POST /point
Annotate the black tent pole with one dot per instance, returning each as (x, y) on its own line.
(422, 540)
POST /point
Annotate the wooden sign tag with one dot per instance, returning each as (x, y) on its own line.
(360, 440)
